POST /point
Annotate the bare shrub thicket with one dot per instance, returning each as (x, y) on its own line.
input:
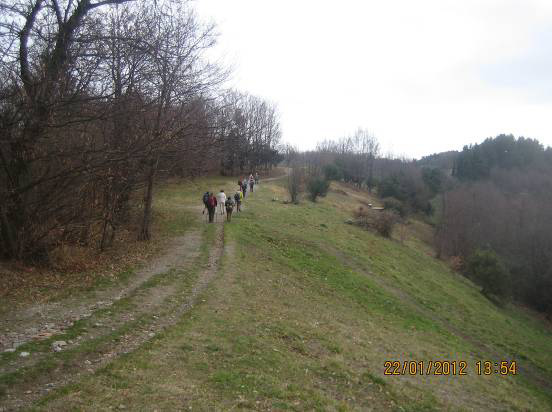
(295, 183)
(382, 221)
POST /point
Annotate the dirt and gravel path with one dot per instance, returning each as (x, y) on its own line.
(108, 323)
(43, 320)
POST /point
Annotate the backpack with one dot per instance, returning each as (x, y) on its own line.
(229, 204)
(237, 197)
(205, 198)
(212, 202)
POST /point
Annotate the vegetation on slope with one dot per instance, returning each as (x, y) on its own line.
(305, 311)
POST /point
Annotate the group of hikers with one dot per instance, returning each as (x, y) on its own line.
(227, 203)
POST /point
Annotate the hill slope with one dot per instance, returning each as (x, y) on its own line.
(304, 311)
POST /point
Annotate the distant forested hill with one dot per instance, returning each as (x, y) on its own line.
(502, 152)
(443, 160)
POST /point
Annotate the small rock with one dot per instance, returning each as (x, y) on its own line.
(70, 342)
(97, 324)
(58, 344)
(24, 354)
(121, 406)
(151, 334)
(87, 362)
(9, 350)
(28, 392)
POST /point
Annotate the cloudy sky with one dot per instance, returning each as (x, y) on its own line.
(423, 76)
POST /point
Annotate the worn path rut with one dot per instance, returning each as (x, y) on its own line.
(118, 320)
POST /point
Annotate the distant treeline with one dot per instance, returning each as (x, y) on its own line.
(99, 99)
(490, 204)
(401, 183)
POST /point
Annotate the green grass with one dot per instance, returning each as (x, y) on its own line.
(304, 312)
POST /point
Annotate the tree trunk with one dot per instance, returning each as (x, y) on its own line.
(7, 235)
(148, 199)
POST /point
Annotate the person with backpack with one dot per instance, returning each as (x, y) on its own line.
(205, 199)
(244, 188)
(221, 199)
(251, 182)
(211, 206)
(238, 196)
(256, 178)
(229, 204)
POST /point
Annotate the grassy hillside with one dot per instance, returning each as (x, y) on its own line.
(304, 312)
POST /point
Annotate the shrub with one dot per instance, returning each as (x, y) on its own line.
(408, 188)
(295, 183)
(385, 223)
(390, 203)
(332, 172)
(486, 269)
(317, 186)
(382, 222)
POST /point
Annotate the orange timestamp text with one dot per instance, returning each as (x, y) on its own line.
(450, 368)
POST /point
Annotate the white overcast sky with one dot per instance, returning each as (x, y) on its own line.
(422, 76)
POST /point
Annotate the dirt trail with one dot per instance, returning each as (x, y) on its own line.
(158, 307)
(43, 320)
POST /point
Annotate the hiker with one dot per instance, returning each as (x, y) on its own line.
(244, 188)
(211, 206)
(238, 196)
(205, 199)
(251, 182)
(256, 178)
(229, 204)
(221, 198)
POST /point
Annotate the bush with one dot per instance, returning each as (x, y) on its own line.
(332, 172)
(392, 204)
(385, 223)
(382, 222)
(486, 269)
(408, 188)
(317, 186)
(295, 183)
